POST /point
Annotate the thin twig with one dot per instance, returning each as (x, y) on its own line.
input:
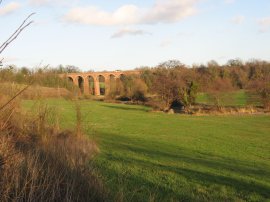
(19, 93)
(3, 160)
(7, 120)
(16, 33)
(22, 24)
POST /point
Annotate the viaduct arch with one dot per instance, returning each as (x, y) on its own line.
(95, 83)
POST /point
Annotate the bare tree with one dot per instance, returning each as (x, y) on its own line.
(16, 33)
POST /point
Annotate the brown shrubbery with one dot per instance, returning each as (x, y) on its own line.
(261, 86)
(173, 85)
(217, 92)
(35, 91)
(40, 163)
(46, 77)
(168, 85)
(128, 88)
(173, 82)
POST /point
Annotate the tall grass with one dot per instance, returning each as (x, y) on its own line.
(40, 163)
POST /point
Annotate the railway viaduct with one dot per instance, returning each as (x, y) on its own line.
(95, 82)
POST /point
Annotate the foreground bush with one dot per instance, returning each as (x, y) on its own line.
(37, 163)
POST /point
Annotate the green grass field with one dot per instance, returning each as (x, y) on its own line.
(147, 156)
(238, 98)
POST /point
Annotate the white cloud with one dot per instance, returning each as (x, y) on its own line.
(163, 11)
(264, 24)
(125, 32)
(170, 11)
(238, 19)
(94, 16)
(9, 8)
(265, 21)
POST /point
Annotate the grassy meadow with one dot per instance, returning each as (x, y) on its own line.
(239, 98)
(150, 156)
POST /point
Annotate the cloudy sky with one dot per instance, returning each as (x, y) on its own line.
(124, 34)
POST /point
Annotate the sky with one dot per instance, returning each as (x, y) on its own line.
(124, 34)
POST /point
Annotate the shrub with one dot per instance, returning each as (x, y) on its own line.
(261, 86)
(38, 163)
(138, 90)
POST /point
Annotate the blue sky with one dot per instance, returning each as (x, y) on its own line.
(123, 34)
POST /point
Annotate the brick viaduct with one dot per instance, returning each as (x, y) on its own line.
(89, 83)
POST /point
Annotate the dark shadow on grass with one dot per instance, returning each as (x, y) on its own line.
(218, 163)
(227, 172)
(243, 187)
(207, 160)
(137, 188)
(127, 107)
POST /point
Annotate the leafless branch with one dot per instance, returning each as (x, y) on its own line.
(13, 98)
(24, 25)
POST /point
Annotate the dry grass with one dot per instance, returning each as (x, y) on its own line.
(34, 91)
(39, 163)
(211, 110)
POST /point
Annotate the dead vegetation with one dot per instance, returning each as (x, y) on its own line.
(38, 162)
(35, 91)
(199, 110)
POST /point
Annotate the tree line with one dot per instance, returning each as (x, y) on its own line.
(166, 84)
(173, 82)
(43, 76)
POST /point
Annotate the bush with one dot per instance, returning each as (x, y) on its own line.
(128, 88)
(42, 77)
(138, 90)
(39, 163)
(261, 86)
(139, 96)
